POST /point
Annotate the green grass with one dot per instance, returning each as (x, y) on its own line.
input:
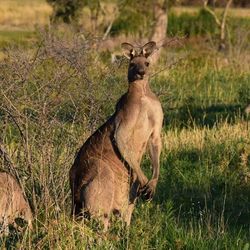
(202, 199)
(16, 38)
(201, 93)
(188, 24)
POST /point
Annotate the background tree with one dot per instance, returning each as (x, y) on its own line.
(66, 11)
(143, 19)
(134, 18)
(160, 25)
(220, 21)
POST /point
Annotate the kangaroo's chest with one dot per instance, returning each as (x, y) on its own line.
(150, 111)
(150, 114)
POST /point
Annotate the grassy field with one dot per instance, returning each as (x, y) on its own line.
(37, 13)
(20, 20)
(56, 92)
(24, 14)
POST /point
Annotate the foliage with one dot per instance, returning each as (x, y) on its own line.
(134, 18)
(66, 10)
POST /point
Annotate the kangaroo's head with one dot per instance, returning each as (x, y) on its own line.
(139, 63)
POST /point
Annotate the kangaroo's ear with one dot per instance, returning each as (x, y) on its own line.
(148, 48)
(128, 50)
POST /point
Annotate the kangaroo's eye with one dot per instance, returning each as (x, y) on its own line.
(147, 64)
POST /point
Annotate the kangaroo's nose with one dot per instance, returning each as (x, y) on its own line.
(141, 72)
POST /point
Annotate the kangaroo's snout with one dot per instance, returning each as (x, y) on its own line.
(141, 71)
(138, 68)
(139, 74)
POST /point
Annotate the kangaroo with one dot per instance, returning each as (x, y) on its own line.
(12, 201)
(106, 177)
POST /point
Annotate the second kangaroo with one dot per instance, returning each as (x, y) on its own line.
(106, 177)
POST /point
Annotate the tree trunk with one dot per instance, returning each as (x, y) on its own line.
(160, 28)
(222, 45)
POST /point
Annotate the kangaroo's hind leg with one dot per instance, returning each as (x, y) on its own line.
(77, 204)
(98, 194)
(133, 195)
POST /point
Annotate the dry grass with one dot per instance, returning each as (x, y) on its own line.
(23, 14)
(197, 137)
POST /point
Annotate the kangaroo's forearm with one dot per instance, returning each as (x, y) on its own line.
(155, 151)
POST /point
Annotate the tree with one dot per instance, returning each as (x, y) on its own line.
(144, 19)
(160, 26)
(66, 11)
(220, 21)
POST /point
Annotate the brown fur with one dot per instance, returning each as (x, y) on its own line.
(106, 176)
(12, 201)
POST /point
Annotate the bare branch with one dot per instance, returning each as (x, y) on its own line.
(217, 20)
(107, 30)
(223, 22)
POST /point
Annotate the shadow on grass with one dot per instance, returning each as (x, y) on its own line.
(190, 115)
(13, 234)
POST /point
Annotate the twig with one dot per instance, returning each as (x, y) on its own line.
(223, 23)
(168, 66)
(11, 166)
(108, 30)
(15, 121)
(218, 22)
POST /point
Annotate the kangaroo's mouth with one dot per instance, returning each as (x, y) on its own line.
(139, 76)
